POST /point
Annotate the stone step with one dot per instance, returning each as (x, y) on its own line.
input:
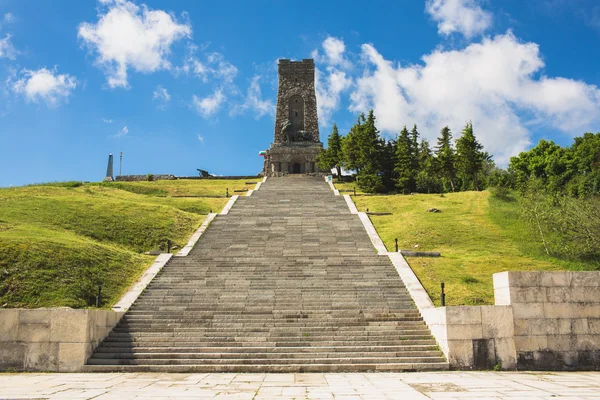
(271, 350)
(288, 281)
(298, 367)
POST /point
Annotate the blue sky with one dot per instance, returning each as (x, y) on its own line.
(191, 84)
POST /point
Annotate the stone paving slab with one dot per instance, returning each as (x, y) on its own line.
(371, 386)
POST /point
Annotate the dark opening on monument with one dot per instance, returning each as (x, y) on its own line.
(296, 169)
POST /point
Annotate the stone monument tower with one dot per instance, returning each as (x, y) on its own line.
(296, 142)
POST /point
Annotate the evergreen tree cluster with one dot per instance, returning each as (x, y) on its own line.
(407, 164)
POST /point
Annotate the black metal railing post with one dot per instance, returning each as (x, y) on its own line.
(396, 240)
(443, 296)
(99, 296)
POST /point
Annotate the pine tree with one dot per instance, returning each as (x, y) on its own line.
(469, 155)
(370, 146)
(414, 154)
(404, 161)
(388, 164)
(445, 156)
(332, 156)
(427, 180)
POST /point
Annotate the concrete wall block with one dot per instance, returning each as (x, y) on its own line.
(562, 342)
(12, 355)
(501, 280)
(585, 310)
(557, 310)
(524, 279)
(9, 325)
(585, 278)
(558, 294)
(593, 325)
(463, 315)
(555, 278)
(526, 311)
(530, 343)
(502, 296)
(528, 295)
(72, 356)
(68, 325)
(588, 342)
(464, 331)
(41, 356)
(506, 353)
(460, 353)
(536, 326)
(497, 322)
(40, 316)
(34, 333)
(585, 294)
(581, 326)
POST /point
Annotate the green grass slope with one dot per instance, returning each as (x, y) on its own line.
(477, 236)
(59, 241)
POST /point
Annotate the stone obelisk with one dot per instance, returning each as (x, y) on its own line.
(109, 169)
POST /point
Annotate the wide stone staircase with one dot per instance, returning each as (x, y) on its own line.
(288, 281)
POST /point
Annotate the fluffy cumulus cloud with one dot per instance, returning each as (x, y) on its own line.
(462, 16)
(127, 36)
(331, 77)
(44, 85)
(254, 102)
(209, 105)
(492, 83)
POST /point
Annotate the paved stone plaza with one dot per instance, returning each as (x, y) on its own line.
(371, 386)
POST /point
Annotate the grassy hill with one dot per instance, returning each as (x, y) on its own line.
(59, 241)
(478, 235)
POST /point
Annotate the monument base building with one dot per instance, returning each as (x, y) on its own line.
(296, 141)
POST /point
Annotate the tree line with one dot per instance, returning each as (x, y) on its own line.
(407, 163)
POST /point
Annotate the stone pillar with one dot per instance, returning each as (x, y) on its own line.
(109, 169)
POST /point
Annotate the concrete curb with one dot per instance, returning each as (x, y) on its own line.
(351, 205)
(229, 205)
(133, 293)
(196, 236)
(255, 189)
(373, 235)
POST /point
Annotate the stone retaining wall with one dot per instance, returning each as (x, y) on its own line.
(541, 321)
(556, 317)
(51, 339)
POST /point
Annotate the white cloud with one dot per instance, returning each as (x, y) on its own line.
(254, 101)
(45, 85)
(463, 16)
(8, 18)
(330, 83)
(334, 50)
(209, 105)
(7, 49)
(107, 121)
(161, 95)
(122, 132)
(214, 66)
(222, 68)
(492, 83)
(130, 36)
(200, 138)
